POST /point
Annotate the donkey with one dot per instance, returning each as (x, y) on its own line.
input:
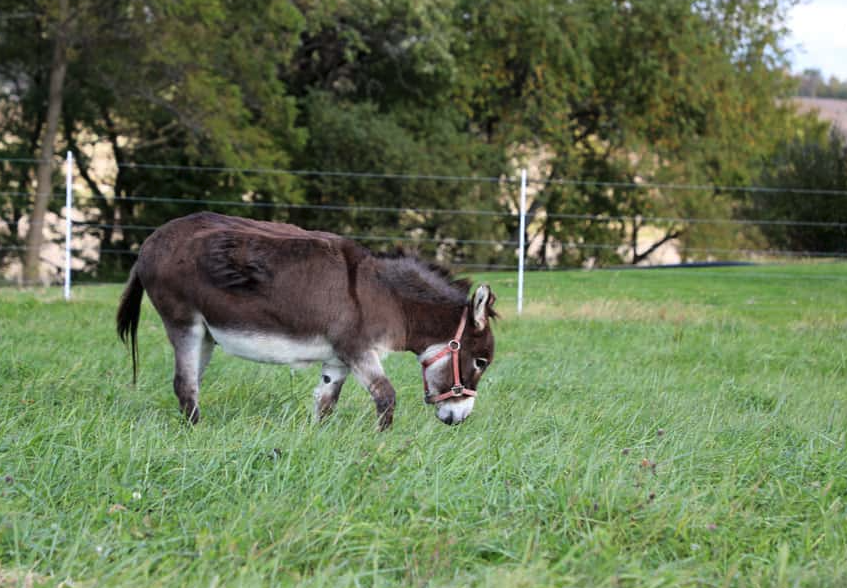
(276, 293)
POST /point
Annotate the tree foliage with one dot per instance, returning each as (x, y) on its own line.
(604, 95)
(808, 177)
(623, 92)
(811, 84)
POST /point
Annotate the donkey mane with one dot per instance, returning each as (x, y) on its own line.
(422, 282)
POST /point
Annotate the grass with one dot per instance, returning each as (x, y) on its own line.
(637, 428)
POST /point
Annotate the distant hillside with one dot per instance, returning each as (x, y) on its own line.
(831, 109)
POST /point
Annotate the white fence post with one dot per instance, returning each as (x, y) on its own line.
(69, 202)
(522, 247)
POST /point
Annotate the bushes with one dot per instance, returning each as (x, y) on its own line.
(816, 166)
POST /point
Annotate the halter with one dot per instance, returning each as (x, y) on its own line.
(453, 349)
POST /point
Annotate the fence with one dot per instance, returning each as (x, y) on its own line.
(521, 214)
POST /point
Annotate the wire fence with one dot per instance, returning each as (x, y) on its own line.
(603, 218)
(506, 178)
(91, 255)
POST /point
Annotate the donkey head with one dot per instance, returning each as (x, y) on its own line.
(452, 375)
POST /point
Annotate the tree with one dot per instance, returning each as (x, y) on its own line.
(24, 83)
(199, 88)
(811, 84)
(611, 94)
(42, 79)
(190, 84)
(601, 97)
(376, 91)
(805, 221)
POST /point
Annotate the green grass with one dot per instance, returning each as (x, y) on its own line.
(661, 428)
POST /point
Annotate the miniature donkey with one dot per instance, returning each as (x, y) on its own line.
(276, 293)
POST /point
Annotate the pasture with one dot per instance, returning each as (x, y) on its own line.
(637, 428)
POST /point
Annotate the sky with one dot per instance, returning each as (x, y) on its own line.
(818, 37)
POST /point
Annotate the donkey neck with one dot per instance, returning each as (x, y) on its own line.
(434, 325)
(430, 299)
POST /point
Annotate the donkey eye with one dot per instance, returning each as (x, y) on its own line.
(480, 363)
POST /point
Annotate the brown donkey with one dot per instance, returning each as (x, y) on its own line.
(276, 293)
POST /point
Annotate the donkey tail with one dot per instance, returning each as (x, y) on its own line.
(129, 311)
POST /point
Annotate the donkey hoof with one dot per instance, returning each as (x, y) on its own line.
(192, 414)
(385, 423)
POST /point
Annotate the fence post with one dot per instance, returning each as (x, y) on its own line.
(69, 202)
(522, 247)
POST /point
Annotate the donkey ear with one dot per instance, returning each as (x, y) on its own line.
(483, 301)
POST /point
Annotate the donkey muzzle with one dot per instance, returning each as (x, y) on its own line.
(454, 411)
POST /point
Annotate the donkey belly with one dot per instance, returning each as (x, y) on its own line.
(272, 348)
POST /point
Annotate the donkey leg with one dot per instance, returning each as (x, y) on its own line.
(206, 349)
(369, 373)
(328, 389)
(192, 352)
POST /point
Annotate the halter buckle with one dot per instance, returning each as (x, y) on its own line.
(458, 390)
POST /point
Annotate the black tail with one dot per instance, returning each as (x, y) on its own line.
(128, 312)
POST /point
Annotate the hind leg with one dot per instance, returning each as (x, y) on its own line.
(192, 351)
(206, 349)
(328, 389)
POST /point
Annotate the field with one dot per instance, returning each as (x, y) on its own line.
(637, 428)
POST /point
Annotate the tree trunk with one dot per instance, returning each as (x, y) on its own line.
(44, 188)
(636, 259)
(544, 242)
(121, 210)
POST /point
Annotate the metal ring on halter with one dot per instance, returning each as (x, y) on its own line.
(458, 390)
(454, 345)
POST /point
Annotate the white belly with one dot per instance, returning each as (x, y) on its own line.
(268, 348)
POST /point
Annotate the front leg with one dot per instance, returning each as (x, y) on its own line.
(368, 371)
(327, 391)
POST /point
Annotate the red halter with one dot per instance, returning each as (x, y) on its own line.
(453, 349)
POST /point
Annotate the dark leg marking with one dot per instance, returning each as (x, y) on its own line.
(384, 396)
(368, 371)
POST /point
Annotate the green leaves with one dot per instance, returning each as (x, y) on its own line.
(587, 91)
(813, 161)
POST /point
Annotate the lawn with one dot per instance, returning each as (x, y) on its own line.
(637, 428)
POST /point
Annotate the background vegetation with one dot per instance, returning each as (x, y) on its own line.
(812, 84)
(650, 91)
